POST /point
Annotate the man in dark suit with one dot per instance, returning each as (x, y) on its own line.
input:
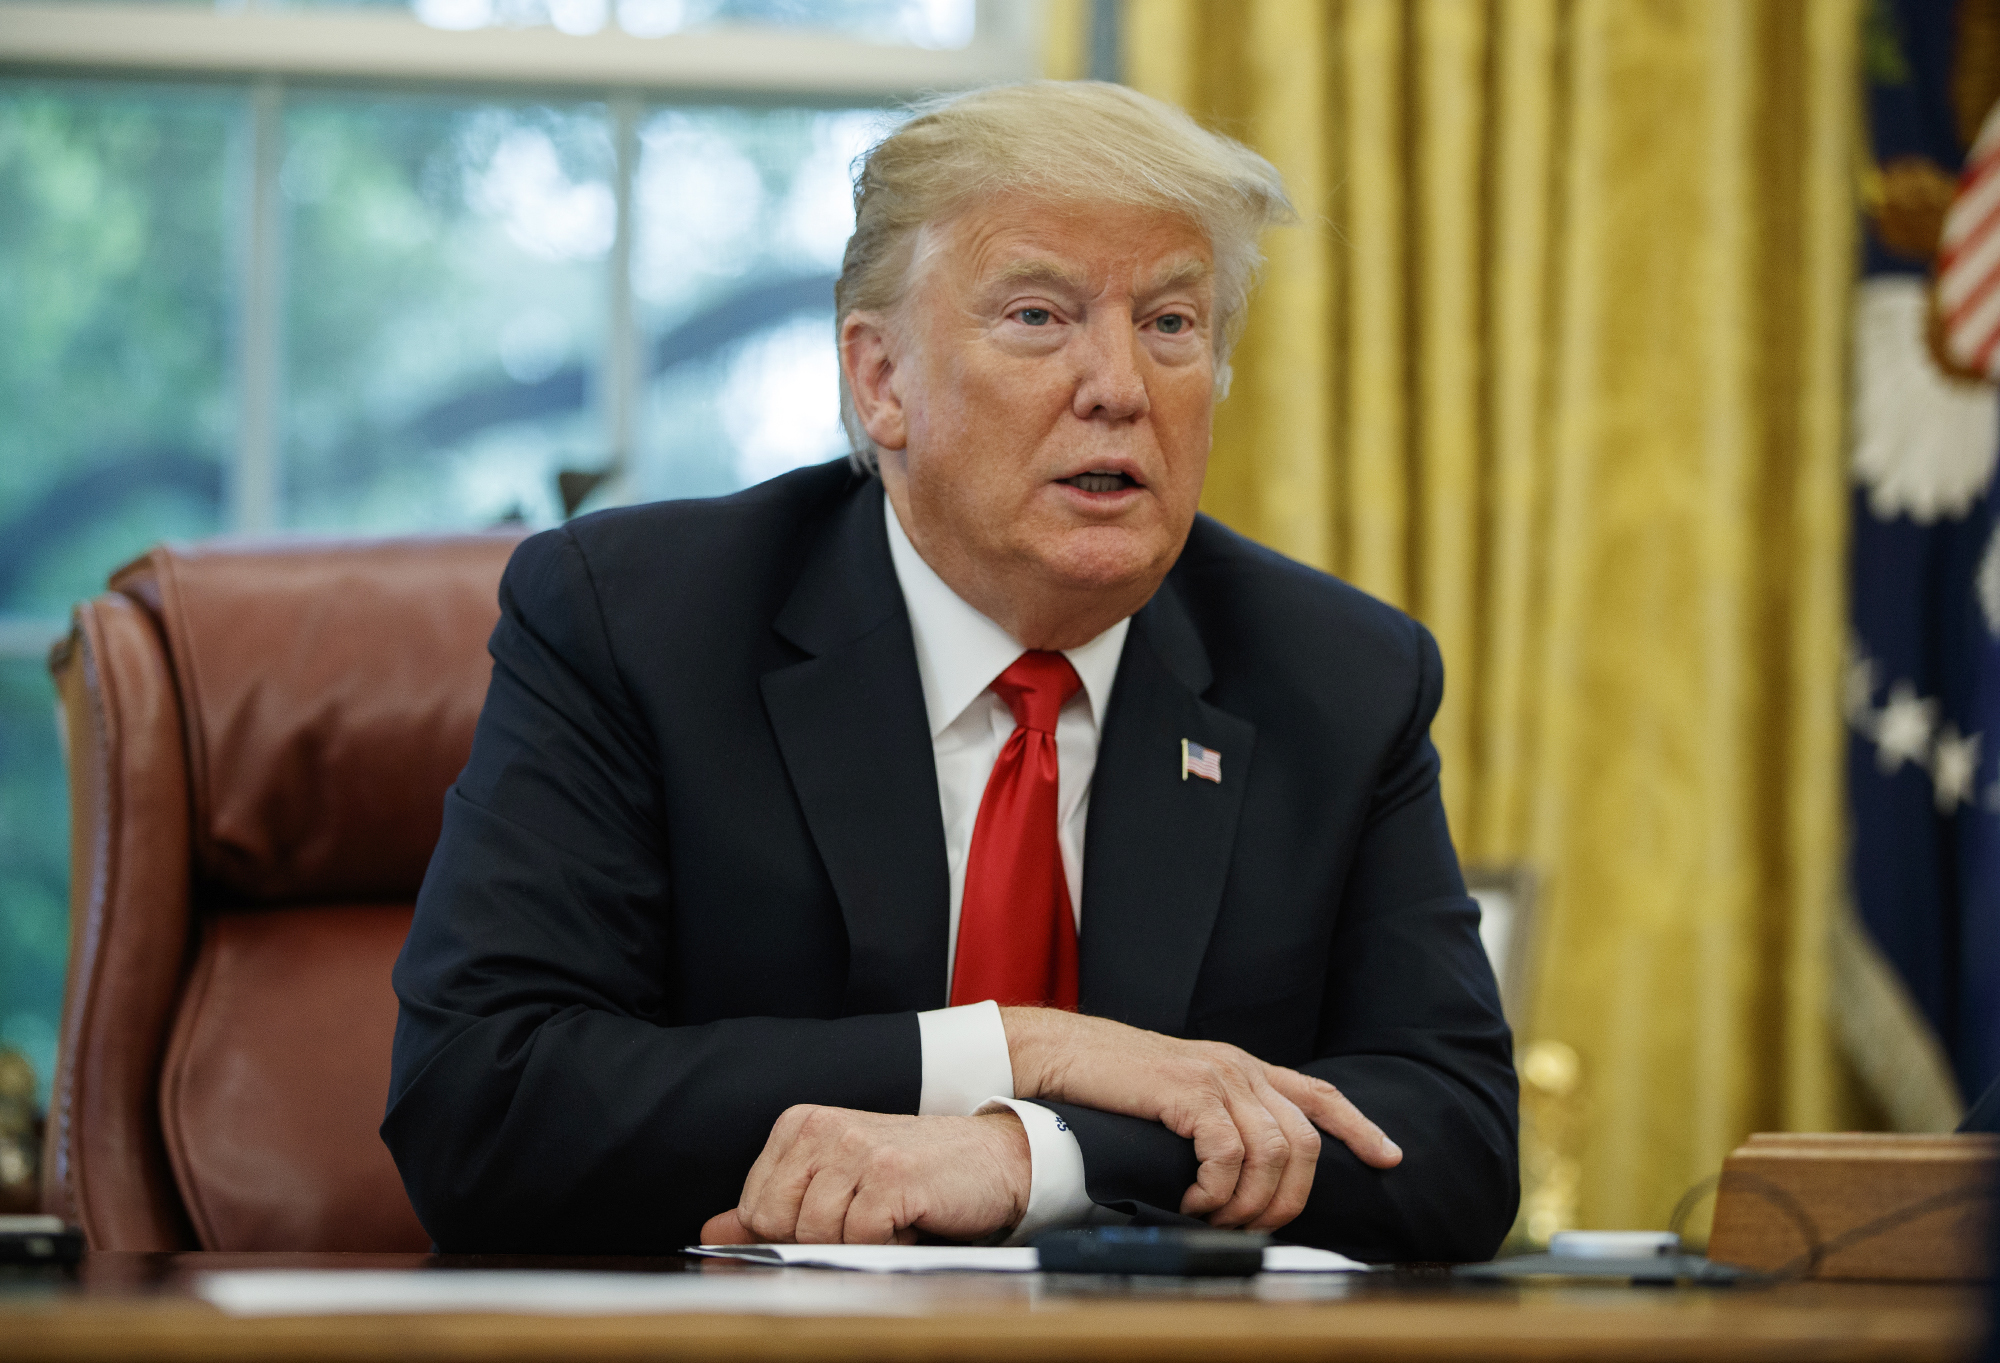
(990, 720)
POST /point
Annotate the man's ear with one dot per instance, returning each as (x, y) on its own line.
(872, 378)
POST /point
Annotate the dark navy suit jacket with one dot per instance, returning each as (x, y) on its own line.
(694, 873)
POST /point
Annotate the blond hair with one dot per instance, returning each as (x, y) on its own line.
(1075, 141)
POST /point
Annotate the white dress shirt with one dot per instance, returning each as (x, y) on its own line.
(959, 653)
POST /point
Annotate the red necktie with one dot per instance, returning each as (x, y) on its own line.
(1016, 934)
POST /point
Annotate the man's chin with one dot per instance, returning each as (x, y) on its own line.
(1110, 559)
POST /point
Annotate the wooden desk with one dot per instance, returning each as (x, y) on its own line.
(136, 1307)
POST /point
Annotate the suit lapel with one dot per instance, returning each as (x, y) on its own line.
(1158, 846)
(850, 721)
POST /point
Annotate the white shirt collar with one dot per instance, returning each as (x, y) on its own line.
(960, 651)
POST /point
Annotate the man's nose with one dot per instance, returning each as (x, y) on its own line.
(1111, 384)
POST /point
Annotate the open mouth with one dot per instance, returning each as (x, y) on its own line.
(1101, 482)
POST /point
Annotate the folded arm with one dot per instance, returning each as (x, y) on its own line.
(833, 1175)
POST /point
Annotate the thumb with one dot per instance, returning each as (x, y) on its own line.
(727, 1229)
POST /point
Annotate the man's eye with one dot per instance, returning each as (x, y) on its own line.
(1173, 324)
(1034, 317)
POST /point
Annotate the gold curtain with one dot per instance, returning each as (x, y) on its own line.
(1555, 360)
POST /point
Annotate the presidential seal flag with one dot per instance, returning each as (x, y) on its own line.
(1923, 681)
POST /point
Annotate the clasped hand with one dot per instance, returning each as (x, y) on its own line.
(832, 1175)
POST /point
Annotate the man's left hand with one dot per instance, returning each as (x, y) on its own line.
(831, 1175)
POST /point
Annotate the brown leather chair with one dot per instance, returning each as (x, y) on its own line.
(260, 735)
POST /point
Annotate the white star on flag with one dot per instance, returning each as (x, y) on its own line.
(1903, 732)
(1954, 767)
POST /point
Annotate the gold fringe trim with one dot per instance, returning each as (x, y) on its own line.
(1890, 1044)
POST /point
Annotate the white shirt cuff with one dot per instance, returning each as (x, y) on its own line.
(1056, 1195)
(965, 1059)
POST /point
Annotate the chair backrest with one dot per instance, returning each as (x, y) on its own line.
(260, 735)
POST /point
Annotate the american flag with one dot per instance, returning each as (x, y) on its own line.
(1968, 287)
(1199, 761)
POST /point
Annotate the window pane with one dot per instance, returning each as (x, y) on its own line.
(34, 866)
(740, 220)
(921, 23)
(115, 354)
(445, 298)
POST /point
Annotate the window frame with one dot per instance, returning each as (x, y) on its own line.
(265, 52)
(381, 46)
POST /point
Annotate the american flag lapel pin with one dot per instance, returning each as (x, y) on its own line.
(1199, 761)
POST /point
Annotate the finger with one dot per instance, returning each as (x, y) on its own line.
(765, 1208)
(1218, 1146)
(871, 1219)
(1297, 1184)
(769, 1208)
(726, 1229)
(1267, 1157)
(1333, 1113)
(1201, 1109)
(823, 1210)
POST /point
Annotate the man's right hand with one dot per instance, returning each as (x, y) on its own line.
(830, 1176)
(1255, 1126)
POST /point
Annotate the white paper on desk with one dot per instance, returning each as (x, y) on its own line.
(1302, 1259)
(289, 1292)
(972, 1258)
(881, 1258)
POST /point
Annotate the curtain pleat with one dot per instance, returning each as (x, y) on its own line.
(1554, 360)
(1293, 409)
(1449, 351)
(1815, 740)
(1519, 340)
(1373, 230)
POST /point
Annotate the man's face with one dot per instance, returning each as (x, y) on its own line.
(1044, 394)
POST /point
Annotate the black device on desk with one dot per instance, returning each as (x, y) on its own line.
(39, 1240)
(1169, 1250)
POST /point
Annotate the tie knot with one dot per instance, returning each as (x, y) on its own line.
(1036, 686)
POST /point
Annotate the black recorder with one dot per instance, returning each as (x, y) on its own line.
(39, 1240)
(1167, 1250)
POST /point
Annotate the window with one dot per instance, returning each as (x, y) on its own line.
(385, 267)
(119, 415)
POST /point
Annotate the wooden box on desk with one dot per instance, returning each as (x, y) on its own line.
(1858, 1205)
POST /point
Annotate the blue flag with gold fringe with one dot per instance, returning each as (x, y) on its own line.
(1923, 684)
